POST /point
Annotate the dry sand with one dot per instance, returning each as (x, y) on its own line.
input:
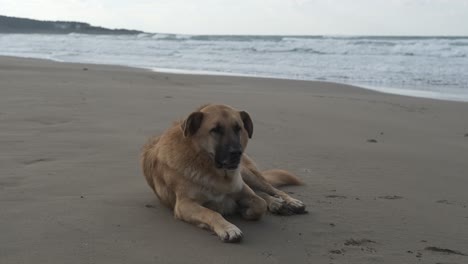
(71, 190)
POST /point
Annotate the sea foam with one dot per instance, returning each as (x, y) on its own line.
(435, 67)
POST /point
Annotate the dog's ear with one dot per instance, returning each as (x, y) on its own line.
(193, 122)
(248, 125)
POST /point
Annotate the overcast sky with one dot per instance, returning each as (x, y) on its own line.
(303, 17)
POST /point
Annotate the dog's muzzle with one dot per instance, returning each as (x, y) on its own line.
(231, 162)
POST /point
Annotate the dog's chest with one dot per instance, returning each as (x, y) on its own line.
(218, 192)
(231, 183)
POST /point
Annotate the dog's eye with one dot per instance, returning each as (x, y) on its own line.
(237, 128)
(216, 130)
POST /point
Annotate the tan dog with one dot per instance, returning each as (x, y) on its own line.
(198, 168)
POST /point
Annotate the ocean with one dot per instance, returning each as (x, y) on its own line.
(432, 67)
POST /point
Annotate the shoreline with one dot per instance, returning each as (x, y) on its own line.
(386, 90)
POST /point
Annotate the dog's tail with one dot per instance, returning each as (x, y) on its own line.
(278, 178)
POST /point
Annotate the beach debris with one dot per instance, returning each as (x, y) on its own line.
(336, 251)
(369, 249)
(332, 224)
(447, 202)
(81, 196)
(445, 250)
(358, 242)
(391, 197)
(372, 140)
(381, 133)
(149, 206)
(466, 135)
(336, 196)
(168, 96)
(85, 69)
(31, 162)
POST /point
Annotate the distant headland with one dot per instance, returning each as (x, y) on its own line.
(25, 25)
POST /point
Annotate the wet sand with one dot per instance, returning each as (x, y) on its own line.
(386, 175)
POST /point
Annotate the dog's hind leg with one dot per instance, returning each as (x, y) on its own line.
(259, 183)
(252, 207)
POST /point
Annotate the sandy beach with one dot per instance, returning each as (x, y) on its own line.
(386, 176)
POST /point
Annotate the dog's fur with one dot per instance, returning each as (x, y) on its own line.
(199, 169)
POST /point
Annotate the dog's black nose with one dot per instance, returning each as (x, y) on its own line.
(235, 153)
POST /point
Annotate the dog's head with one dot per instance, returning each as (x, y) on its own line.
(220, 131)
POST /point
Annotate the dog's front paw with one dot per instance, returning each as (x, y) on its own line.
(286, 207)
(230, 234)
(277, 205)
(296, 206)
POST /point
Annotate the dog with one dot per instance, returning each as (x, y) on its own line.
(199, 169)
